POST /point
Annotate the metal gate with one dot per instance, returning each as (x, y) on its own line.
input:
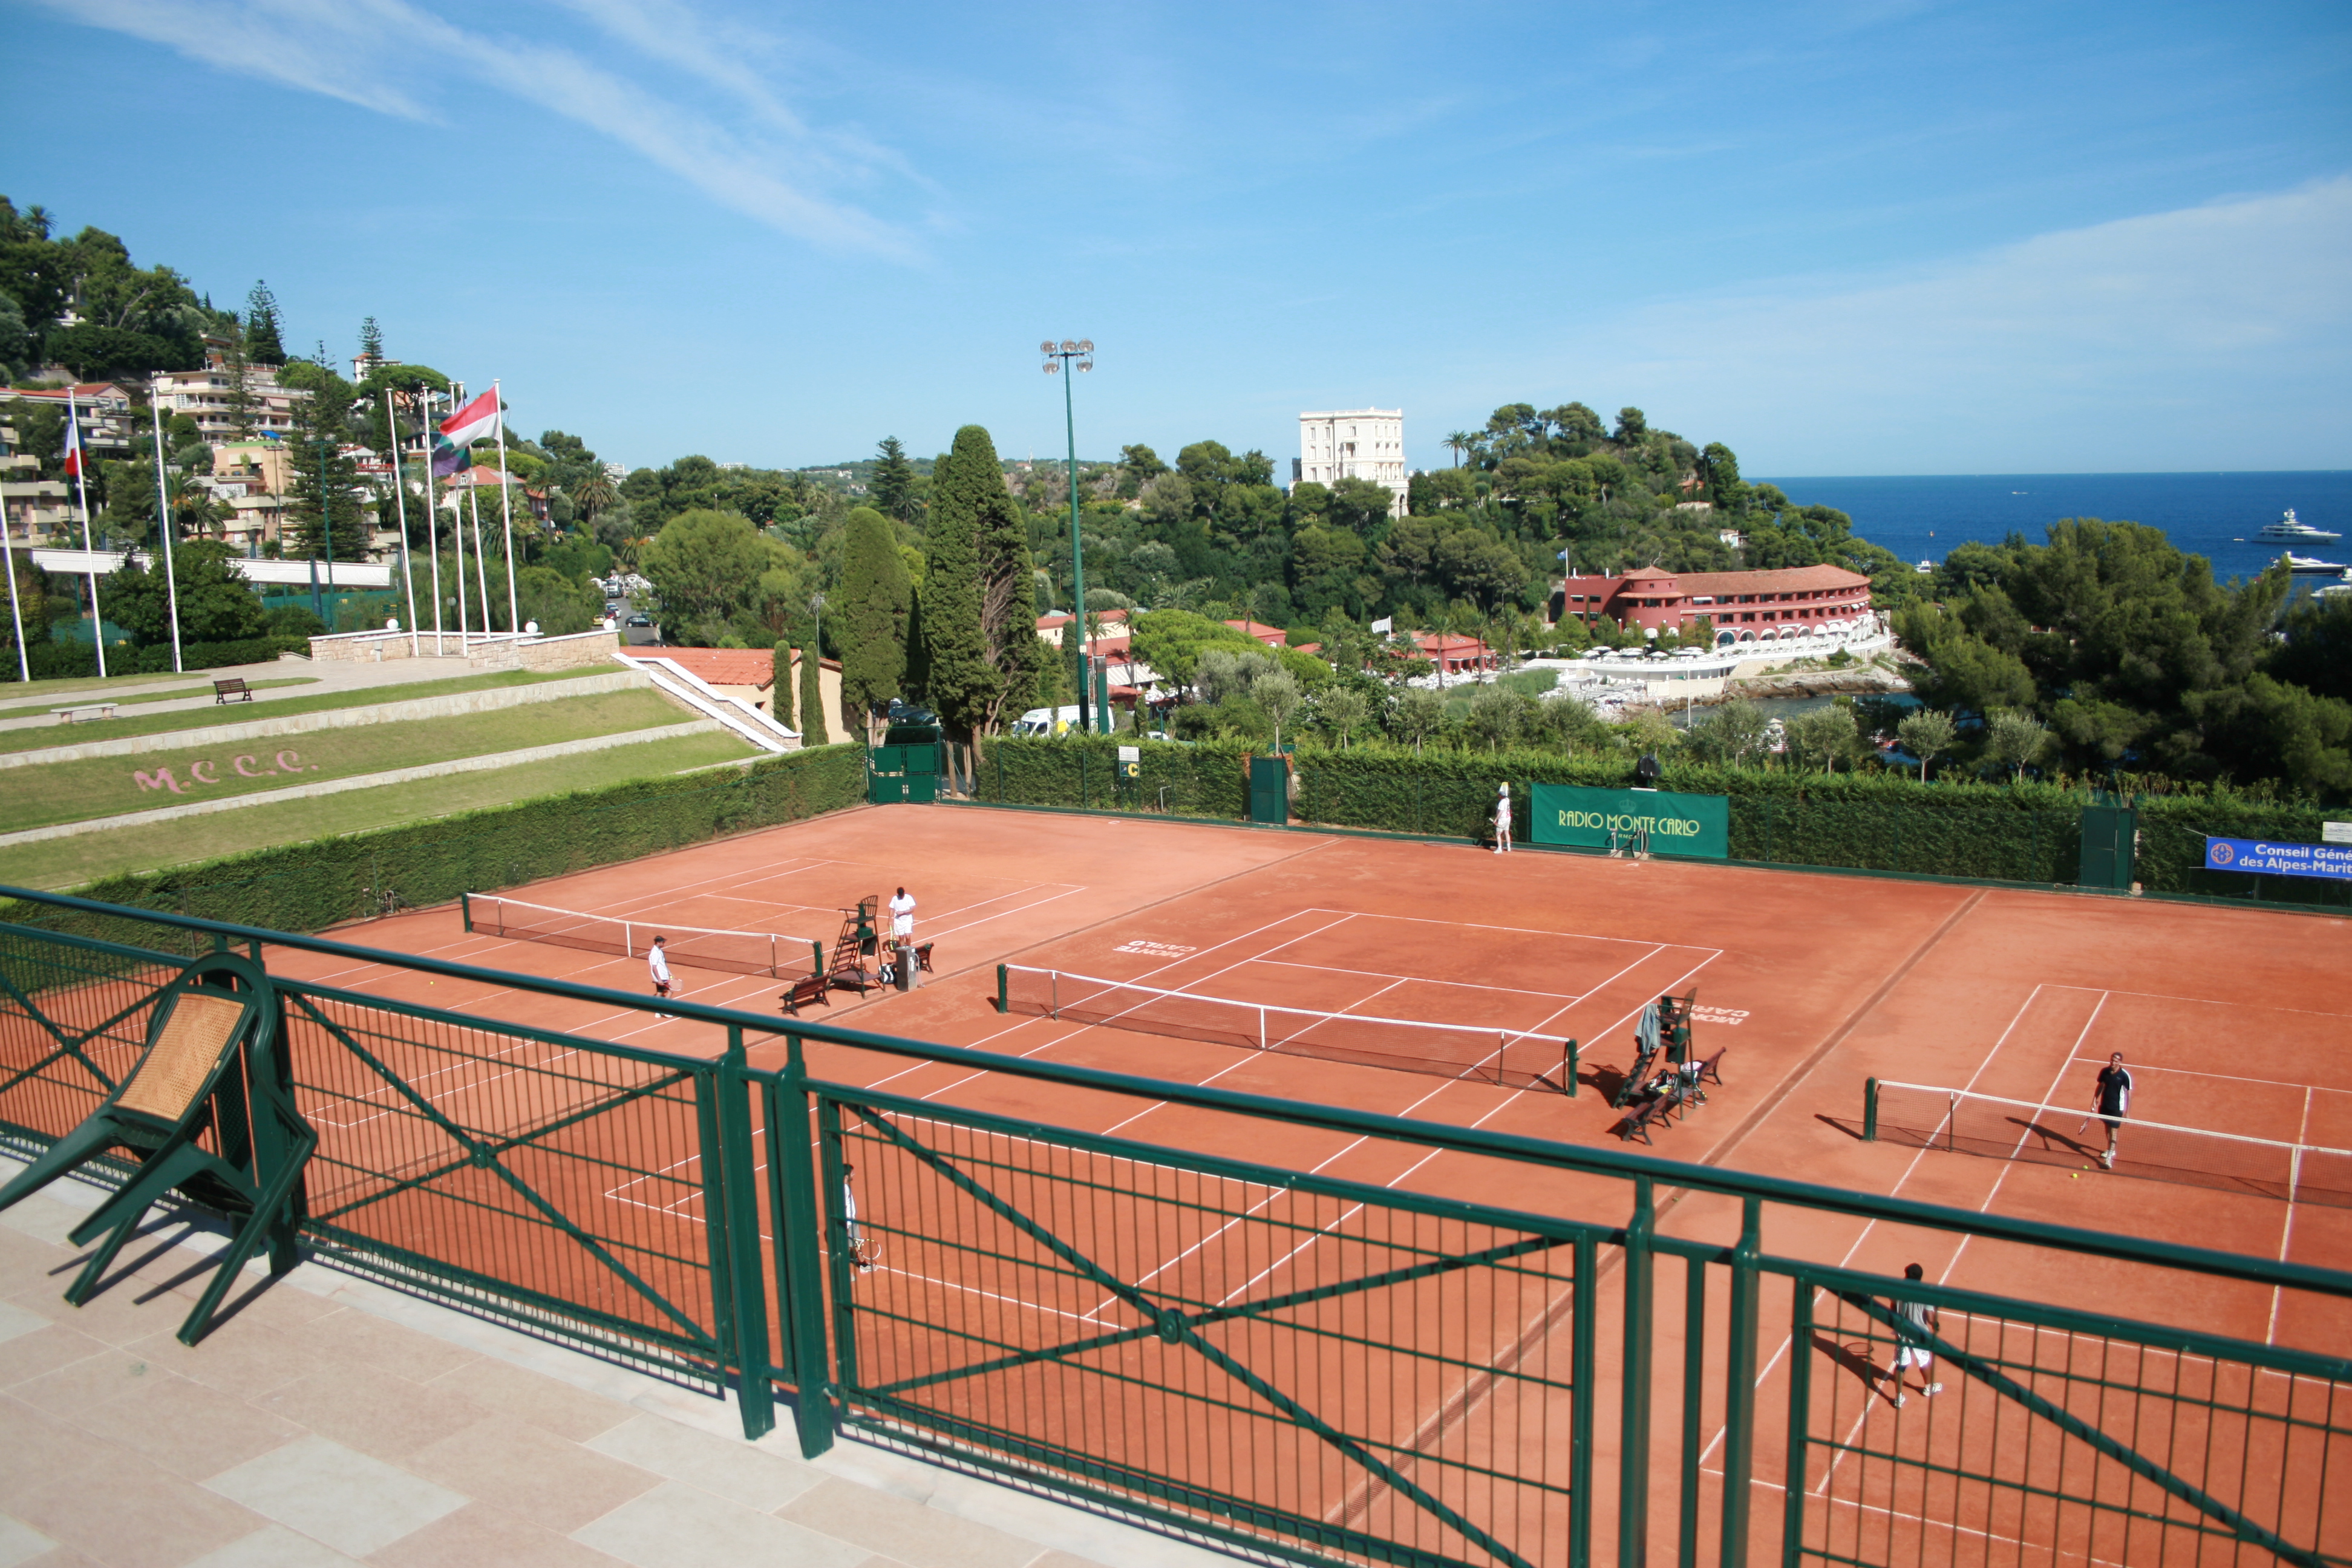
(1269, 791)
(2109, 835)
(899, 774)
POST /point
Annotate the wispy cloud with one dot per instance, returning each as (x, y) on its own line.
(2209, 330)
(764, 161)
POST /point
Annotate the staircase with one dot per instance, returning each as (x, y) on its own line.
(754, 724)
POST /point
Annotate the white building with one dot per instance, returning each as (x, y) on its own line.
(1353, 444)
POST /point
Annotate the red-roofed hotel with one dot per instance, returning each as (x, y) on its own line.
(1744, 606)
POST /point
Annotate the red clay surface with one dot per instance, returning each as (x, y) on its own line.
(2232, 1019)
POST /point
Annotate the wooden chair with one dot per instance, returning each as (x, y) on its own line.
(212, 1063)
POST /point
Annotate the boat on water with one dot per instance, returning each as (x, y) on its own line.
(2312, 566)
(2289, 531)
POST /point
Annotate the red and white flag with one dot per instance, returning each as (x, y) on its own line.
(73, 444)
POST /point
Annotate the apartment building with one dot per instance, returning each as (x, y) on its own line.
(208, 396)
(1353, 444)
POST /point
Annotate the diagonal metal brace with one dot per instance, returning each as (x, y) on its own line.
(1173, 1326)
(69, 1045)
(484, 1154)
(2009, 1388)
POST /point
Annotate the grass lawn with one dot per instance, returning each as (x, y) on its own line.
(172, 694)
(284, 708)
(88, 857)
(45, 793)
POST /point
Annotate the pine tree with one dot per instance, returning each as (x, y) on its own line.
(779, 684)
(370, 345)
(894, 481)
(980, 627)
(263, 344)
(813, 731)
(876, 598)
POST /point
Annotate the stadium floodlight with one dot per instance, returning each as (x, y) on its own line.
(1057, 357)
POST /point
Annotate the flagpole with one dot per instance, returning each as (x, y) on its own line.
(506, 508)
(81, 488)
(164, 520)
(431, 515)
(481, 569)
(15, 615)
(457, 531)
(400, 500)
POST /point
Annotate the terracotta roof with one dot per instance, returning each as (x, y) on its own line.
(1270, 635)
(1785, 580)
(719, 665)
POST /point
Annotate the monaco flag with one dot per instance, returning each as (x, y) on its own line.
(73, 444)
(471, 424)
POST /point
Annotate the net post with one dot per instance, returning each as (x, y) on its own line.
(1870, 1111)
(816, 952)
(1568, 1065)
(1001, 1007)
(465, 908)
(1952, 1124)
(1502, 1042)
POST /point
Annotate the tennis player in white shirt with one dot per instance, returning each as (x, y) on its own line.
(657, 965)
(902, 917)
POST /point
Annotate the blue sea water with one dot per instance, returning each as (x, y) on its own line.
(2215, 515)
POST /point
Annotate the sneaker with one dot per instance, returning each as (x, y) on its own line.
(1933, 1388)
(1900, 1400)
(2107, 1160)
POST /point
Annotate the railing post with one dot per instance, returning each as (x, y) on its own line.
(1634, 1385)
(709, 1144)
(840, 1255)
(1870, 1111)
(755, 1394)
(1694, 1390)
(1801, 1392)
(1586, 1302)
(1739, 1386)
(801, 1250)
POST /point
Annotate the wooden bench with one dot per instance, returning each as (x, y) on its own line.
(234, 686)
(808, 988)
(75, 712)
(1711, 1068)
(1637, 1122)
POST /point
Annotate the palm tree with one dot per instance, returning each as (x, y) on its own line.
(594, 494)
(1461, 441)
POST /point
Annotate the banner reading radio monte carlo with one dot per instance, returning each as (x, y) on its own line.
(1697, 824)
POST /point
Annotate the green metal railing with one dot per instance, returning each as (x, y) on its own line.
(1356, 1362)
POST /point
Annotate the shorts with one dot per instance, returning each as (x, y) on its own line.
(661, 987)
(902, 925)
(2113, 1121)
(1909, 1357)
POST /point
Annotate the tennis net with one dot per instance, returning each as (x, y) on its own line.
(737, 951)
(1511, 1059)
(1923, 1116)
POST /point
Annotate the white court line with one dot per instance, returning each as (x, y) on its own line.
(1944, 1275)
(1918, 1154)
(2286, 1232)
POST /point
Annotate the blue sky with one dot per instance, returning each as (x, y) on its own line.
(1843, 238)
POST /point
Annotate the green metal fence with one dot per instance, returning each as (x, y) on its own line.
(1354, 1363)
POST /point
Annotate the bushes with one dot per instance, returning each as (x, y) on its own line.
(308, 887)
(2007, 832)
(79, 660)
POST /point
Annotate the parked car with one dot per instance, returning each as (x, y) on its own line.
(641, 620)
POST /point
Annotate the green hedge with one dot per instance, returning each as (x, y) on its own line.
(1874, 822)
(1205, 780)
(79, 660)
(310, 886)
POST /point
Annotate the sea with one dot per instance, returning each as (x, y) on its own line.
(2216, 515)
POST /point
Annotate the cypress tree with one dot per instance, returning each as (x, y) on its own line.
(979, 615)
(779, 684)
(876, 598)
(813, 731)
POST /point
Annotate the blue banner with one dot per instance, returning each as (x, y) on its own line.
(2331, 860)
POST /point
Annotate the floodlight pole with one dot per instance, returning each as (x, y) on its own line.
(1059, 357)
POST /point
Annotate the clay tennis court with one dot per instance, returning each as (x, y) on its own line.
(1813, 983)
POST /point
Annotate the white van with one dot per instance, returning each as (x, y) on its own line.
(1047, 721)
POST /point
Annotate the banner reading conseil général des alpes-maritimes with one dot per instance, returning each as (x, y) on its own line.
(2268, 856)
(1697, 825)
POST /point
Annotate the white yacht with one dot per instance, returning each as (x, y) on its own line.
(2287, 530)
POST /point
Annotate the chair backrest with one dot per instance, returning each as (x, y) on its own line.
(191, 1038)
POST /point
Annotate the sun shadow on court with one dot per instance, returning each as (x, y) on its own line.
(2256, 1171)
(1854, 1359)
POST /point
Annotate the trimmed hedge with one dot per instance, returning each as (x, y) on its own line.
(310, 886)
(2028, 832)
(79, 660)
(1205, 780)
